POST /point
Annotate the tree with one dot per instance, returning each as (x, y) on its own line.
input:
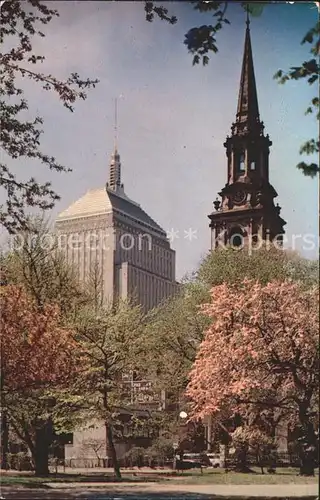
(94, 285)
(252, 440)
(35, 264)
(309, 70)
(107, 340)
(201, 42)
(36, 354)
(268, 335)
(34, 340)
(173, 334)
(268, 263)
(160, 450)
(20, 21)
(95, 445)
(175, 330)
(263, 448)
(136, 456)
(110, 339)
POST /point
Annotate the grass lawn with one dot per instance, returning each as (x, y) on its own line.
(209, 476)
(216, 476)
(28, 480)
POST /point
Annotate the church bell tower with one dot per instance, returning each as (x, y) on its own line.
(246, 208)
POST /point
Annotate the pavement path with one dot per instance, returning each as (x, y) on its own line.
(187, 492)
(230, 490)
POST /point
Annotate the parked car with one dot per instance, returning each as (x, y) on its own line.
(187, 464)
(192, 461)
(215, 460)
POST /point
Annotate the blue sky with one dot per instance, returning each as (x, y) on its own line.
(173, 117)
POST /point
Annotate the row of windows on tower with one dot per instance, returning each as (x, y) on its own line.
(142, 252)
(150, 290)
(114, 177)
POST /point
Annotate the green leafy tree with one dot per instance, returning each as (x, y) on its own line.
(110, 340)
(247, 439)
(268, 263)
(21, 21)
(35, 261)
(136, 456)
(172, 336)
(309, 71)
(201, 42)
(161, 449)
(30, 418)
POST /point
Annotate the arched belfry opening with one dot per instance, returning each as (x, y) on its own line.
(236, 237)
(242, 166)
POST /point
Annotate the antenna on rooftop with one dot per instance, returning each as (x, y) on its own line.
(115, 124)
(116, 121)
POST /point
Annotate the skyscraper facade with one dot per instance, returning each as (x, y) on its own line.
(108, 236)
(105, 230)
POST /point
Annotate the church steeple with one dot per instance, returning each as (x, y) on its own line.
(247, 117)
(246, 210)
(248, 147)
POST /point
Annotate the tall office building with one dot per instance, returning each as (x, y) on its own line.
(107, 230)
(109, 236)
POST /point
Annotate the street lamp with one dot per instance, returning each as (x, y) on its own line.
(183, 415)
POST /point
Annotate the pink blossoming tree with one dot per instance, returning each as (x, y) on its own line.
(260, 355)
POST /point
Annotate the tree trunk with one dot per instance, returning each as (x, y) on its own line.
(306, 454)
(4, 440)
(242, 460)
(225, 457)
(111, 450)
(41, 450)
(260, 462)
(307, 441)
(306, 467)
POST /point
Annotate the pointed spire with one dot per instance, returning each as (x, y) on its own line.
(248, 110)
(115, 165)
(248, 19)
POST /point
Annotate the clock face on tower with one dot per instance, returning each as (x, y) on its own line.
(239, 197)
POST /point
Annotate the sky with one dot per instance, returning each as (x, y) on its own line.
(173, 118)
